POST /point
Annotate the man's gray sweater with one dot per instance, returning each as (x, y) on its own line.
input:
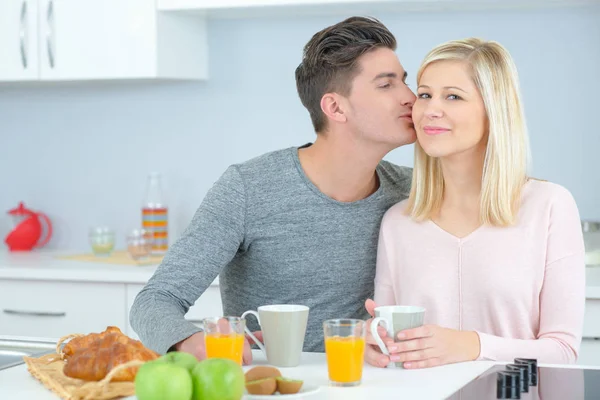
(272, 237)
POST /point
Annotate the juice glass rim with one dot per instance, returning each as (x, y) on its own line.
(343, 322)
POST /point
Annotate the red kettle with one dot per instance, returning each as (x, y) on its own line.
(28, 229)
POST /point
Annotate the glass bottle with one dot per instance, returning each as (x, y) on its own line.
(155, 214)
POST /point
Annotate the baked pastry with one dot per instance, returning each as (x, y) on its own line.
(91, 357)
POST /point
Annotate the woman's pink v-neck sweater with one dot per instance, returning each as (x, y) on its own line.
(521, 288)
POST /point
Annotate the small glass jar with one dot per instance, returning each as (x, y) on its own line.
(102, 240)
(591, 239)
(139, 244)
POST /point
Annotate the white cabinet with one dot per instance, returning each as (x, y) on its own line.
(208, 305)
(244, 8)
(51, 309)
(99, 40)
(589, 352)
(591, 320)
(54, 309)
(18, 40)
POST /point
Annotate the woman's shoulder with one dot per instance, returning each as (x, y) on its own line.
(548, 200)
(397, 214)
(540, 191)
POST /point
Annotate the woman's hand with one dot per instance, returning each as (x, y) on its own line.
(432, 345)
(373, 354)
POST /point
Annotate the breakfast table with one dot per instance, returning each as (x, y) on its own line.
(426, 384)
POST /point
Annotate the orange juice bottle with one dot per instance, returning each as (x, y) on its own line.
(225, 345)
(345, 356)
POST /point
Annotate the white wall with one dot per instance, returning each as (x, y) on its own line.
(80, 152)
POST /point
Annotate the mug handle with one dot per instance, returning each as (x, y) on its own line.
(258, 343)
(375, 334)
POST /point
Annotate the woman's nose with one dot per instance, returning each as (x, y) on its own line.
(433, 110)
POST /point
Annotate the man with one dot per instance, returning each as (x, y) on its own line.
(299, 225)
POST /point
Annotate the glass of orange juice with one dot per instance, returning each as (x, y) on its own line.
(224, 337)
(345, 350)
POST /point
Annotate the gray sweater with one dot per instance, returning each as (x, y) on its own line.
(272, 238)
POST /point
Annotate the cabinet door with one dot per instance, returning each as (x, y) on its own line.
(51, 309)
(108, 39)
(18, 40)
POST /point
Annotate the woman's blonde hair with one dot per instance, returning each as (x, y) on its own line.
(507, 154)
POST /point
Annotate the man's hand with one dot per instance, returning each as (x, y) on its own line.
(195, 345)
(373, 354)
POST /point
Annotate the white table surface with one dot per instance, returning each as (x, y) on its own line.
(427, 384)
(434, 383)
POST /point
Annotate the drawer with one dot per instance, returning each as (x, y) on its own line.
(208, 305)
(591, 321)
(55, 309)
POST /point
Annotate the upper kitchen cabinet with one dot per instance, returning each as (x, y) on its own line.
(18, 40)
(102, 40)
(261, 8)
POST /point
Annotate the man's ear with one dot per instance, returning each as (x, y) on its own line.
(333, 107)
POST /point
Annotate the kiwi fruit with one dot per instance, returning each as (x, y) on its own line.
(261, 372)
(288, 386)
(266, 386)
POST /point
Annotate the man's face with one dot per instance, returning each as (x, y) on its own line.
(379, 107)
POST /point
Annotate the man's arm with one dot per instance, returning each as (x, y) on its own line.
(206, 246)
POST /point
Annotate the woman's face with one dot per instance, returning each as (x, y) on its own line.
(449, 114)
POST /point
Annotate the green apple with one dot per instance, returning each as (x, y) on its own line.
(185, 360)
(218, 379)
(158, 380)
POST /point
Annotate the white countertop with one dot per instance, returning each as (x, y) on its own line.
(425, 384)
(45, 265)
(17, 383)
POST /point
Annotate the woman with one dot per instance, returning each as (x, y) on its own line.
(495, 257)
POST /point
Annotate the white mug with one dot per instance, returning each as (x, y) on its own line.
(395, 319)
(283, 327)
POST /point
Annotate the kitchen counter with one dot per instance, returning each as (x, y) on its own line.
(17, 383)
(45, 265)
(426, 384)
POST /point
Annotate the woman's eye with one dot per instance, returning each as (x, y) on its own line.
(385, 86)
(423, 95)
(454, 97)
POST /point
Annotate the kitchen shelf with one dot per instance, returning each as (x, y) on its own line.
(285, 8)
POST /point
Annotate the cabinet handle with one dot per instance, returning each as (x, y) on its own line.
(35, 313)
(22, 34)
(50, 33)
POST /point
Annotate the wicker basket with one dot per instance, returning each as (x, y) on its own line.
(48, 370)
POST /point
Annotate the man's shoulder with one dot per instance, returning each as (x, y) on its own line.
(271, 162)
(397, 177)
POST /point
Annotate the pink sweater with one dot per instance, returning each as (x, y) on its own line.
(521, 288)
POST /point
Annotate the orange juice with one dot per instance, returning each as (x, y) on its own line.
(345, 357)
(225, 345)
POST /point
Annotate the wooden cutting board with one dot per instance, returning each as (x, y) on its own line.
(116, 257)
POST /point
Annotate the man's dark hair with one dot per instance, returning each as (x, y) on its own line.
(329, 61)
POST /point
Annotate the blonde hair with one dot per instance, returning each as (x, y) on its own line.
(507, 154)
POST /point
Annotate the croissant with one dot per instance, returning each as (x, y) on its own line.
(92, 357)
